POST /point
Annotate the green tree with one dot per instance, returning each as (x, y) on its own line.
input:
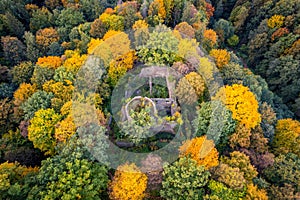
(184, 179)
(40, 18)
(286, 169)
(39, 100)
(22, 72)
(71, 174)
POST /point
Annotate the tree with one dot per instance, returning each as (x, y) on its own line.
(241, 161)
(224, 29)
(279, 32)
(247, 110)
(201, 150)
(221, 56)
(186, 30)
(210, 39)
(254, 193)
(157, 12)
(241, 137)
(112, 21)
(161, 47)
(98, 29)
(38, 100)
(45, 37)
(119, 66)
(51, 62)
(42, 128)
(184, 179)
(61, 90)
(13, 179)
(22, 72)
(13, 49)
(74, 61)
(32, 51)
(216, 118)
(232, 177)
(15, 27)
(41, 75)
(286, 139)
(72, 173)
(196, 82)
(128, 10)
(6, 111)
(239, 14)
(40, 18)
(276, 21)
(67, 19)
(286, 170)
(128, 183)
(283, 78)
(221, 191)
(21, 95)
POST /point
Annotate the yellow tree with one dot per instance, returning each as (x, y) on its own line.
(74, 60)
(65, 129)
(24, 91)
(201, 150)
(254, 193)
(119, 66)
(41, 130)
(128, 183)
(275, 21)
(242, 103)
(287, 137)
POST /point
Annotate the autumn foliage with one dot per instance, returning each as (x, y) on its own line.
(287, 137)
(242, 103)
(128, 183)
(201, 150)
(221, 56)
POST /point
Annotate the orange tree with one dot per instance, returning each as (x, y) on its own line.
(201, 150)
(221, 57)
